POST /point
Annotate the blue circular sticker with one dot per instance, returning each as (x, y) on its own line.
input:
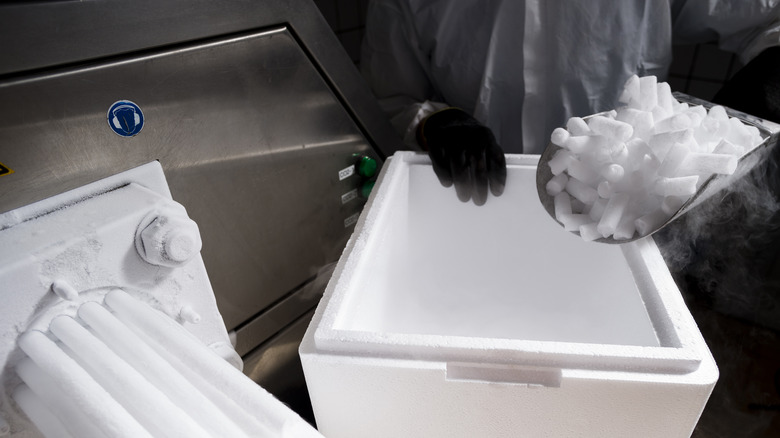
(125, 118)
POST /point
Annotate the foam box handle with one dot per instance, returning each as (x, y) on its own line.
(505, 374)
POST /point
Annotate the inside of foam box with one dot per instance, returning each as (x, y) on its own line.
(436, 266)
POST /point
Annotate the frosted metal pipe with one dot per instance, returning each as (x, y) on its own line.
(248, 422)
(139, 315)
(136, 352)
(147, 404)
(180, 343)
(56, 401)
(46, 422)
(87, 410)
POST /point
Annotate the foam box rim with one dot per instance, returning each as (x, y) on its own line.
(682, 348)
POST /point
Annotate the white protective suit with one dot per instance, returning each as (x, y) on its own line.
(523, 68)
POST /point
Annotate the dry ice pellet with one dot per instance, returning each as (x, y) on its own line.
(629, 170)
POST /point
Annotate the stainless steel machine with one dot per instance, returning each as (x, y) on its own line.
(263, 126)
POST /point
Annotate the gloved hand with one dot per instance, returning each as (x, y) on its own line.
(463, 153)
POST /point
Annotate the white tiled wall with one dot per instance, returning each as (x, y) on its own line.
(698, 70)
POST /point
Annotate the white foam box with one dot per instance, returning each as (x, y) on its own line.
(444, 319)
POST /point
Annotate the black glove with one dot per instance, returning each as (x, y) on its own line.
(755, 88)
(463, 152)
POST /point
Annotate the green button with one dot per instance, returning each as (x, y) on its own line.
(365, 189)
(366, 167)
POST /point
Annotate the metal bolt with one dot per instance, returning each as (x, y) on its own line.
(170, 239)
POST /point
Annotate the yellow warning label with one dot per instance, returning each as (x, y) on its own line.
(5, 170)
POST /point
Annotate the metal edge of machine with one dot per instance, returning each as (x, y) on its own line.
(34, 37)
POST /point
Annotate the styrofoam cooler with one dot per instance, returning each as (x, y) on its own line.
(444, 319)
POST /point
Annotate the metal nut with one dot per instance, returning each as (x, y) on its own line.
(169, 240)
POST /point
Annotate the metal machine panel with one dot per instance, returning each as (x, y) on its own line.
(253, 109)
(271, 367)
(251, 138)
(46, 34)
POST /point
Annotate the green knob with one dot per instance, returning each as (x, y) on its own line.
(366, 166)
(365, 189)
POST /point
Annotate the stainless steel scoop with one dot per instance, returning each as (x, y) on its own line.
(770, 132)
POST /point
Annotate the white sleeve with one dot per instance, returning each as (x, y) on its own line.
(743, 27)
(406, 122)
(395, 67)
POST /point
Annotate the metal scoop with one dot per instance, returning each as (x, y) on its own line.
(770, 132)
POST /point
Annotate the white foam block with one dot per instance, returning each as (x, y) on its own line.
(573, 222)
(559, 136)
(707, 131)
(582, 172)
(611, 128)
(606, 189)
(626, 228)
(597, 209)
(665, 98)
(738, 132)
(630, 91)
(562, 203)
(718, 113)
(557, 184)
(678, 186)
(581, 191)
(577, 126)
(642, 121)
(613, 172)
(406, 338)
(662, 142)
(675, 122)
(646, 147)
(648, 92)
(589, 232)
(673, 160)
(705, 164)
(637, 149)
(560, 161)
(726, 147)
(613, 213)
(579, 144)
